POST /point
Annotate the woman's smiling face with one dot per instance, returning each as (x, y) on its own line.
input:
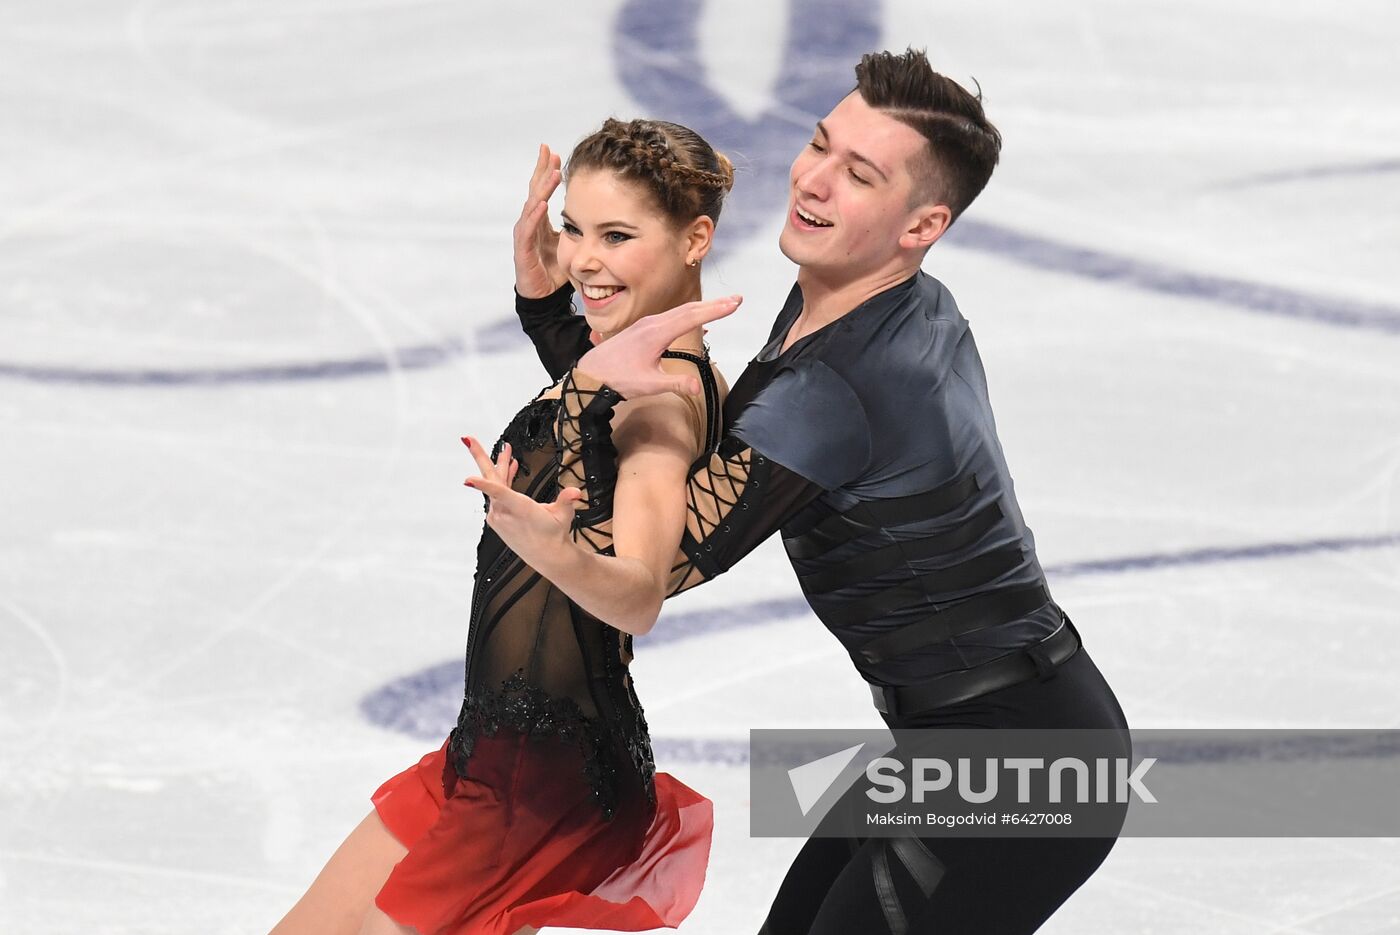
(623, 256)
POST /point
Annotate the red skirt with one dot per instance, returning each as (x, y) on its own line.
(521, 841)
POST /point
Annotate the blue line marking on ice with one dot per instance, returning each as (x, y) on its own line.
(1214, 556)
(1121, 269)
(1309, 173)
(656, 47)
(404, 358)
(425, 703)
(658, 60)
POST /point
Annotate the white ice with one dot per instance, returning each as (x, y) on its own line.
(199, 583)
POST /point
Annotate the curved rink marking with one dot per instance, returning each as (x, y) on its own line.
(1311, 173)
(424, 704)
(656, 49)
(414, 357)
(657, 55)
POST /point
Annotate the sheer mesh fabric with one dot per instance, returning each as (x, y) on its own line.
(587, 456)
(537, 663)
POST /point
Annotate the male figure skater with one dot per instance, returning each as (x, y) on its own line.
(862, 430)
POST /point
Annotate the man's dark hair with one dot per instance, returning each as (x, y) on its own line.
(962, 144)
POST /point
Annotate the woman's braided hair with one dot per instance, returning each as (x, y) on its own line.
(674, 164)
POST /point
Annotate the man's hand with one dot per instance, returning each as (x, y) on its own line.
(535, 531)
(537, 270)
(630, 361)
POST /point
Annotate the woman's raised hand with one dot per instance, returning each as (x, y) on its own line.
(531, 529)
(537, 271)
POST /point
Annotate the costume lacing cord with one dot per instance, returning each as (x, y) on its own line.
(717, 486)
(718, 489)
(735, 496)
(587, 455)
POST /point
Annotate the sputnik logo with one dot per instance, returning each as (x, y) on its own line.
(811, 780)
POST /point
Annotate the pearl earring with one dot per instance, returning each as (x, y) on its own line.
(693, 263)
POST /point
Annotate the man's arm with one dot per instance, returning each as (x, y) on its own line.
(735, 498)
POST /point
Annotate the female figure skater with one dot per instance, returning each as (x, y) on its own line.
(543, 806)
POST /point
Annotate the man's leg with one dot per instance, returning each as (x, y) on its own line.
(811, 875)
(937, 886)
(928, 886)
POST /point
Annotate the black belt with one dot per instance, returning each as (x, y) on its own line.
(1037, 660)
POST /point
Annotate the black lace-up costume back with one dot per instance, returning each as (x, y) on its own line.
(537, 663)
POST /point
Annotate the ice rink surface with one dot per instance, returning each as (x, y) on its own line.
(255, 282)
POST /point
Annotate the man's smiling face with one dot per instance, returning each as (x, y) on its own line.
(851, 191)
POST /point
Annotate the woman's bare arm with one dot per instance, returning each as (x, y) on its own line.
(619, 566)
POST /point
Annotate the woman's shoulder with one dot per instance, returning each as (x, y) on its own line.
(686, 366)
(667, 410)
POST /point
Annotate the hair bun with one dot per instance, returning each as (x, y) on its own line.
(726, 170)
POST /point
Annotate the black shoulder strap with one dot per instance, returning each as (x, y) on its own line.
(713, 416)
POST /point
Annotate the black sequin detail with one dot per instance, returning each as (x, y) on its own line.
(530, 711)
(530, 430)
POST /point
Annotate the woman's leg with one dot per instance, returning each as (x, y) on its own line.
(377, 923)
(341, 898)
(342, 895)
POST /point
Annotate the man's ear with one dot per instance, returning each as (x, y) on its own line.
(929, 223)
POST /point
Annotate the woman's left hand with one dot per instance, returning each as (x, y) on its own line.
(537, 269)
(531, 529)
